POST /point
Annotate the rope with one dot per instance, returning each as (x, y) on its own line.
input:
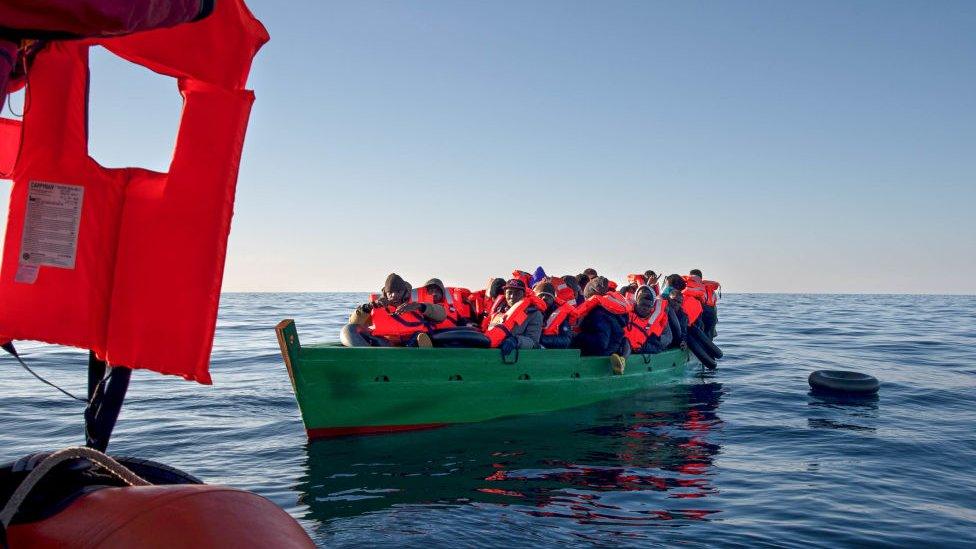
(55, 459)
(33, 373)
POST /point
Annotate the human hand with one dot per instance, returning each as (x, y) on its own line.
(409, 308)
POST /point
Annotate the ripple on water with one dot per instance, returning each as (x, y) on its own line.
(743, 456)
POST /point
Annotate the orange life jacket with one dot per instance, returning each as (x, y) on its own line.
(421, 295)
(694, 287)
(397, 328)
(564, 312)
(564, 294)
(495, 307)
(711, 289)
(639, 329)
(502, 324)
(462, 301)
(613, 302)
(639, 279)
(692, 308)
(523, 276)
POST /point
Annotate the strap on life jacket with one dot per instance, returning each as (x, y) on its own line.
(513, 317)
(659, 317)
(387, 324)
(562, 313)
(637, 330)
(613, 302)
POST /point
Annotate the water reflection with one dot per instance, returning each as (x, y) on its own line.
(843, 411)
(643, 458)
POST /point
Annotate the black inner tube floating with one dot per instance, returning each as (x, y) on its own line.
(841, 381)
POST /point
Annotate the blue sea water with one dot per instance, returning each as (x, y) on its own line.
(742, 456)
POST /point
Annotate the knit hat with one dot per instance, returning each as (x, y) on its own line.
(515, 284)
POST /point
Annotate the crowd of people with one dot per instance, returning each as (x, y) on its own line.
(535, 311)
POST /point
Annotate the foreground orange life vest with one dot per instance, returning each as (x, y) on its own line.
(639, 329)
(502, 324)
(397, 328)
(563, 312)
(128, 262)
(711, 292)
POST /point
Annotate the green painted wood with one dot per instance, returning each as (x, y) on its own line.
(339, 387)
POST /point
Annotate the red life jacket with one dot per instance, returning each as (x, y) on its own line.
(451, 320)
(694, 287)
(564, 312)
(137, 277)
(711, 289)
(564, 294)
(639, 329)
(613, 302)
(523, 276)
(502, 324)
(462, 301)
(397, 328)
(495, 307)
(639, 279)
(692, 308)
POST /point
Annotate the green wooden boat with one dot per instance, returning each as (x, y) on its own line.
(363, 390)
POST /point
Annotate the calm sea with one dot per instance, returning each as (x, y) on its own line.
(742, 456)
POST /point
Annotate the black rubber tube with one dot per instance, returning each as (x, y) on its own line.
(705, 341)
(696, 349)
(350, 336)
(460, 337)
(841, 381)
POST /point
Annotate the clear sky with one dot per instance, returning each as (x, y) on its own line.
(822, 147)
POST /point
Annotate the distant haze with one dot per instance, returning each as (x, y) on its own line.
(778, 146)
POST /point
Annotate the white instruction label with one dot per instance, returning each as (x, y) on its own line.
(51, 225)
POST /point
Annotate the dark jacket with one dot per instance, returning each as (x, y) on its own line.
(601, 333)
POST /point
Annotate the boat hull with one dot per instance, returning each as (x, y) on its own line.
(367, 390)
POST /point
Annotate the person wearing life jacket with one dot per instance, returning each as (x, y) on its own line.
(652, 282)
(434, 291)
(557, 319)
(573, 285)
(521, 324)
(562, 289)
(689, 312)
(482, 301)
(647, 322)
(396, 318)
(709, 301)
(601, 321)
(677, 318)
(634, 280)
